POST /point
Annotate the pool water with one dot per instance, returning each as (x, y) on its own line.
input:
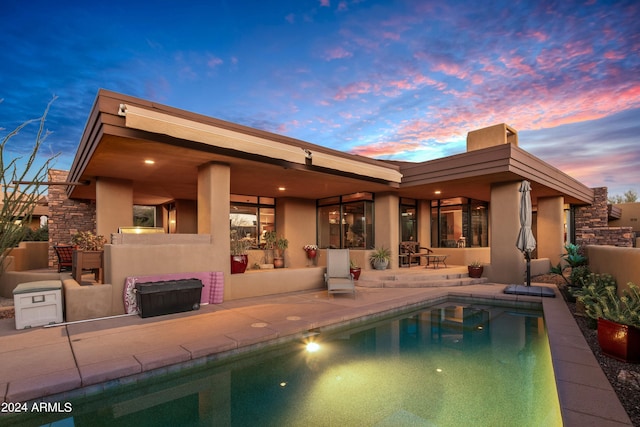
(454, 364)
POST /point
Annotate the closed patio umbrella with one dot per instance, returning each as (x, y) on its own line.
(526, 242)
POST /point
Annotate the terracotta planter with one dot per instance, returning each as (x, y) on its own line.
(619, 341)
(356, 272)
(278, 262)
(239, 263)
(475, 272)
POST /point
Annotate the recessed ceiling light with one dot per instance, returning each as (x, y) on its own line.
(438, 192)
(281, 188)
(149, 162)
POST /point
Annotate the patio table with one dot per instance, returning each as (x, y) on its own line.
(435, 259)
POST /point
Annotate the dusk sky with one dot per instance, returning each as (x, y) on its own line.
(403, 80)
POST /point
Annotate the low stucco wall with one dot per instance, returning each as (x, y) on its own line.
(85, 302)
(28, 256)
(10, 279)
(268, 282)
(125, 260)
(622, 263)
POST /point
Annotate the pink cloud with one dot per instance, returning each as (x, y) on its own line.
(325, 3)
(337, 53)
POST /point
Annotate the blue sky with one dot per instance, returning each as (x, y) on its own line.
(401, 80)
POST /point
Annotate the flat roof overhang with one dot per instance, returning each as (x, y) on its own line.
(183, 141)
(472, 174)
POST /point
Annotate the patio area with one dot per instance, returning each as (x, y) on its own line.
(83, 358)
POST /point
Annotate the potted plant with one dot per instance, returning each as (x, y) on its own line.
(618, 319)
(311, 250)
(270, 238)
(239, 257)
(354, 269)
(88, 254)
(475, 269)
(281, 244)
(380, 258)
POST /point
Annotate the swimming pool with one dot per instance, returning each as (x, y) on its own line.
(457, 363)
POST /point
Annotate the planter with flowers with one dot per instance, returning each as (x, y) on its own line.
(88, 254)
(475, 269)
(354, 269)
(239, 257)
(312, 253)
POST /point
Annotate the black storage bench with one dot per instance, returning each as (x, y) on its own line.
(172, 296)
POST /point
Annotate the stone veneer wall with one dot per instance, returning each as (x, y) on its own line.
(66, 217)
(592, 228)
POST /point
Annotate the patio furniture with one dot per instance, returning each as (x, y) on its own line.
(411, 252)
(65, 257)
(338, 276)
(436, 259)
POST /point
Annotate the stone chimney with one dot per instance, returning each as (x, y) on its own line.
(490, 136)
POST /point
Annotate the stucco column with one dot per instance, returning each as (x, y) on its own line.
(507, 262)
(387, 224)
(114, 205)
(424, 223)
(214, 186)
(550, 228)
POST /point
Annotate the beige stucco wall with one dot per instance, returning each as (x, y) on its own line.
(622, 263)
(629, 217)
(387, 224)
(507, 262)
(490, 136)
(123, 260)
(186, 216)
(296, 221)
(550, 228)
(114, 205)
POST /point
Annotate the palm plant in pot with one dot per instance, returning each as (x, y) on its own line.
(618, 319)
(380, 258)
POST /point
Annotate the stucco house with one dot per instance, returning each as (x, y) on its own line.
(201, 176)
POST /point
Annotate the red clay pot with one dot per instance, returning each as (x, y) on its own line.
(619, 341)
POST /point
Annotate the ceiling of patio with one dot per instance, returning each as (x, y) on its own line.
(174, 173)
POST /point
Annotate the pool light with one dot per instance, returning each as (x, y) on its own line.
(312, 347)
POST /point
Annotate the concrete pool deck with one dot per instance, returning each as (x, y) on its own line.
(79, 359)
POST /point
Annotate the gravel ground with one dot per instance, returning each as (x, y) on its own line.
(627, 391)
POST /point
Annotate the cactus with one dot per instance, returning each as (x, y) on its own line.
(601, 299)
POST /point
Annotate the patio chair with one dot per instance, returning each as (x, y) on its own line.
(411, 252)
(338, 276)
(65, 257)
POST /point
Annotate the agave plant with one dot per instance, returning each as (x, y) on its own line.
(601, 300)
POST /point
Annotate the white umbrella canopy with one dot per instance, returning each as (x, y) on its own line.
(526, 242)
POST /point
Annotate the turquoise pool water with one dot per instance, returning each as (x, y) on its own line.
(454, 364)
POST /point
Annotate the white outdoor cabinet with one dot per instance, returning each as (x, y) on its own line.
(38, 303)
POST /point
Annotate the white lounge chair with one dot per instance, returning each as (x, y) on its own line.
(338, 276)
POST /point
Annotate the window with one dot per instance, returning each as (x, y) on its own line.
(346, 221)
(459, 222)
(144, 216)
(408, 220)
(252, 217)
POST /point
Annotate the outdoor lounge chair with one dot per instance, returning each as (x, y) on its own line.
(338, 276)
(411, 252)
(65, 257)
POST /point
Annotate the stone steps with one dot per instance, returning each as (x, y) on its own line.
(400, 280)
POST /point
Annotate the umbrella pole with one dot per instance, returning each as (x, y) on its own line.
(527, 256)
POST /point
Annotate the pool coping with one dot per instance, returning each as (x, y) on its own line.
(78, 366)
